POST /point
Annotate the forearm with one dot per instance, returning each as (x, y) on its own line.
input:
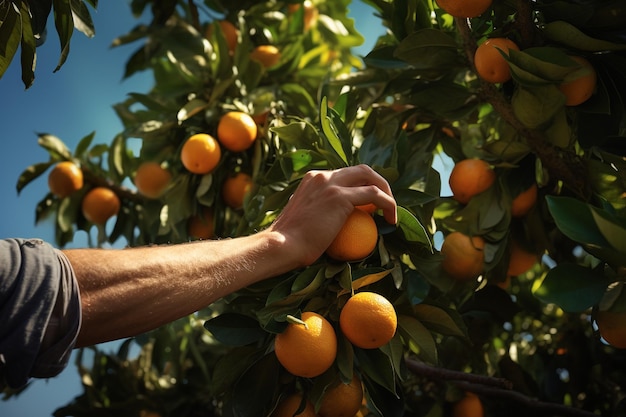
(129, 291)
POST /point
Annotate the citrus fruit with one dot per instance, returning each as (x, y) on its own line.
(151, 179)
(464, 8)
(612, 327)
(463, 256)
(520, 260)
(524, 201)
(309, 349)
(368, 208)
(581, 87)
(368, 320)
(310, 14)
(201, 225)
(236, 131)
(342, 400)
(489, 62)
(356, 239)
(200, 154)
(65, 178)
(235, 189)
(229, 31)
(100, 204)
(267, 55)
(291, 404)
(470, 177)
(468, 406)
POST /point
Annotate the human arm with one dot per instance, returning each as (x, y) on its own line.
(129, 291)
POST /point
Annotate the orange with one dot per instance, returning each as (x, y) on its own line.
(236, 131)
(230, 33)
(612, 327)
(581, 88)
(468, 406)
(463, 256)
(201, 226)
(368, 320)
(342, 400)
(151, 179)
(200, 154)
(356, 239)
(520, 260)
(291, 404)
(235, 189)
(267, 55)
(464, 8)
(489, 62)
(100, 204)
(524, 201)
(65, 178)
(368, 208)
(309, 349)
(470, 177)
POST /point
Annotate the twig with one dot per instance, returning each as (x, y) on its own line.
(450, 375)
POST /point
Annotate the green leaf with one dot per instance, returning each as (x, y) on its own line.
(575, 220)
(437, 319)
(55, 147)
(30, 173)
(428, 49)
(331, 132)
(83, 145)
(10, 34)
(235, 329)
(255, 392)
(418, 338)
(64, 24)
(572, 287)
(611, 229)
(412, 229)
(569, 35)
(28, 47)
(377, 366)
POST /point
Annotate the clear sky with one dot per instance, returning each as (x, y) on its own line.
(70, 104)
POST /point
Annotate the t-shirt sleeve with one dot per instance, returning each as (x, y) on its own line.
(40, 312)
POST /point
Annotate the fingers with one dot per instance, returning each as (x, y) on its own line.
(358, 185)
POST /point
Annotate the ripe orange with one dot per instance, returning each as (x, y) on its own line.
(368, 320)
(524, 201)
(64, 179)
(581, 88)
(463, 256)
(612, 327)
(100, 204)
(235, 189)
(291, 404)
(489, 62)
(470, 177)
(230, 33)
(201, 153)
(267, 55)
(468, 406)
(151, 179)
(201, 226)
(368, 208)
(464, 8)
(520, 260)
(311, 14)
(236, 131)
(342, 400)
(307, 351)
(356, 239)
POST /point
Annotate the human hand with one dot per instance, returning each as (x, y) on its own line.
(321, 204)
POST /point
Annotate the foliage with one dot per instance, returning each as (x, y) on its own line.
(414, 98)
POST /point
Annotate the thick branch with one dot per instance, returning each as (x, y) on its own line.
(493, 387)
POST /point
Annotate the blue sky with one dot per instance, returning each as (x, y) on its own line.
(70, 104)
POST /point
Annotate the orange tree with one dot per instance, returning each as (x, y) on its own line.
(527, 343)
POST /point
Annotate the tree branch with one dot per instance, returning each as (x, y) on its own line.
(493, 387)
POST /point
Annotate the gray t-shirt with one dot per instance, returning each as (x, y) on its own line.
(40, 311)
